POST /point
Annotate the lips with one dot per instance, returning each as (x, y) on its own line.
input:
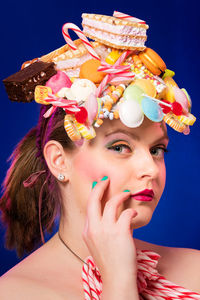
(145, 195)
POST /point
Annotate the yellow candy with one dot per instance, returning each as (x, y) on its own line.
(71, 128)
(169, 94)
(168, 73)
(99, 122)
(41, 93)
(187, 120)
(116, 114)
(170, 83)
(173, 121)
(99, 102)
(87, 132)
(73, 79)
(146, 85)
(113, 56)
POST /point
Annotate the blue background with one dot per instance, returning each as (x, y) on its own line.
(30, 29)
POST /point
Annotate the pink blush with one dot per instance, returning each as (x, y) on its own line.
(87, 167)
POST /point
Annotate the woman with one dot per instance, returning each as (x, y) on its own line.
(104, 188)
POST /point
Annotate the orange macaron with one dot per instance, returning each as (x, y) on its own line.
(152, 61)
(88, 70)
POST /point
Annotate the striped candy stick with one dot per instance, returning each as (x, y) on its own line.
(106, 68)
(92, 283)
(122, 78)
(123, 16)
(109, 76)
(154, 285)
(81, 35)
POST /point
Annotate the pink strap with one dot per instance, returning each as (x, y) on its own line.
(29, 182)
(151, 285)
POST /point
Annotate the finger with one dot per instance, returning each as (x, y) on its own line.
(94, 206)
(126, 217)
(111, 206)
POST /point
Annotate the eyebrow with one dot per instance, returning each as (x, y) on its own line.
(134, 136)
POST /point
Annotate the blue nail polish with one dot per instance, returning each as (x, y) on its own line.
(104, 178)
(93, 184)
(126, 191)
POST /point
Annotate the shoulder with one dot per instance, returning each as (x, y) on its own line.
(178, 265)
(185, 268)
(13, 287)
(23, 282)
(19, 288)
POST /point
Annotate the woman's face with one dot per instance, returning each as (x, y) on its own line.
(132, 158)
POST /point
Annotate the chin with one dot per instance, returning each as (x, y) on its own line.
(142, 219)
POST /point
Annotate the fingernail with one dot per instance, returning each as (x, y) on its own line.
(126, 191)
(104, 178)
(93, 184)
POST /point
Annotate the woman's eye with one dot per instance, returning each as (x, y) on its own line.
(120, 148)
(159, 151)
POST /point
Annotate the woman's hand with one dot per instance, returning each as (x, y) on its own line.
(108, 238)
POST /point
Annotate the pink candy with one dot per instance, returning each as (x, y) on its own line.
(92, 108)
(59, 81)
(181, 98)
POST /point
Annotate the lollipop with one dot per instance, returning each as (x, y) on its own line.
(133, 92)
(151, 109)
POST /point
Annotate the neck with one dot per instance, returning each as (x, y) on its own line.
(71, 234)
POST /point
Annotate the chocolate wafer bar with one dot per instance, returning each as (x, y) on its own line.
(21, 85)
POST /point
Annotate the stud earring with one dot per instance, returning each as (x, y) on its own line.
(61, 177)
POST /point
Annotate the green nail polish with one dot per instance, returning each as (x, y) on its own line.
(126, 191)
(104, 178)
(93, 184)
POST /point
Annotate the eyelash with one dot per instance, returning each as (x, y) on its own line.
(164, 149)
(119, 145)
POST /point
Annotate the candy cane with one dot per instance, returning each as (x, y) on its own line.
(109, 76)
(59, 102)
(124, 77)
(151, 285)
(120, 15)
(81, 35)
(106, 68)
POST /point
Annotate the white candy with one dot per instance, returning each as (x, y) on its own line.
(82, 88)
(66, 92)
(111, 116)
(131, 114)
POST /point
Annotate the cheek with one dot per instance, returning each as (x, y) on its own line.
(162, 177)
(89, 167)
(92, 167)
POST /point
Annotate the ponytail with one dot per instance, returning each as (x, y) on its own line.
(20, 205)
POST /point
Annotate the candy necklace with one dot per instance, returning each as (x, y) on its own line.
(70, 249)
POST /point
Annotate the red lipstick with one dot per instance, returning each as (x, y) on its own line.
(145, 195)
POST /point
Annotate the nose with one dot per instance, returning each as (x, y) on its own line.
(146, 165)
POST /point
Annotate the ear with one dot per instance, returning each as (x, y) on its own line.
(56, 158)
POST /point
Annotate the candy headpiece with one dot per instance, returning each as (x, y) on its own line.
(115, 76)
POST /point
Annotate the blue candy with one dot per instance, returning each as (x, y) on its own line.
(151, 109)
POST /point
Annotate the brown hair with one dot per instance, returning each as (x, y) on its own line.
(20, 205)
